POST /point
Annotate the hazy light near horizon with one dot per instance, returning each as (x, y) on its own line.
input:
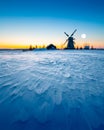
(83, 36)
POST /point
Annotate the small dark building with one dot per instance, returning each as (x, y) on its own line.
(86, 47)
(51, 47)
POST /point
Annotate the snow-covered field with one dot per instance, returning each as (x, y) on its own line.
(52, 90)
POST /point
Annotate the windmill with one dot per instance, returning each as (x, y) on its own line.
(70, 40)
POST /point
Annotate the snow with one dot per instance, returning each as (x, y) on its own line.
(52, 90)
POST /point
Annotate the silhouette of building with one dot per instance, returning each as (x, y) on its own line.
(51, 47)
(86, 47)
(70, 40)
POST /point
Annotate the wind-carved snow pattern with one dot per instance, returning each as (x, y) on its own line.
(52, 90)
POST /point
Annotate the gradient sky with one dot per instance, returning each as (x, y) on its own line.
(25, 22)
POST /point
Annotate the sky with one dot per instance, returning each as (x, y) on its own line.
(41, 22)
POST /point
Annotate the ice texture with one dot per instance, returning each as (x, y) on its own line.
(52, 90)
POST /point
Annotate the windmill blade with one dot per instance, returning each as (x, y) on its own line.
(65, 42)
(66, 34)
(73, 33)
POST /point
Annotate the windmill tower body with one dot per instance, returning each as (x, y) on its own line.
(70, 44)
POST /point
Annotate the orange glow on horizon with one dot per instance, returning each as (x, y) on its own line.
(59, 46)
(13, 46)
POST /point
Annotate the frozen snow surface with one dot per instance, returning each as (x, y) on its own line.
(52, 90)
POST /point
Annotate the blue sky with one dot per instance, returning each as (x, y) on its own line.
(84, 10)
(24, 21)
